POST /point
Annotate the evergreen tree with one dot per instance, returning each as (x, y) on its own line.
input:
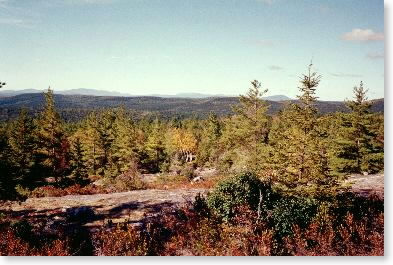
(123, 151)
(210, 140)
(7, 182)
(22, 145)
(77, 161)
(155, 147)
(252, 125)
(300, 156)
(357, 148)
(90, 142)
(51, 146)
(106, 134)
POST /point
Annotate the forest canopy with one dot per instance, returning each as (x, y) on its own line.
(298, 148)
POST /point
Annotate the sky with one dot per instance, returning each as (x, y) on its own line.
(202, 46)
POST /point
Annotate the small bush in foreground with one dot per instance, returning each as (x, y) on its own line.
(244, 189)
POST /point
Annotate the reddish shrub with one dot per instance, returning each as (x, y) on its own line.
(51, 191)
(351, 238)
(47, 191)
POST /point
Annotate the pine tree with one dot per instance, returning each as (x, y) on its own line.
(78, 161)
(22, 145)
(52, 145)
(357, 148)
(155, 147)
(123, 151)
(300, 156)
(90, 142)
(252, 125)
(7, 182)
(208, 151)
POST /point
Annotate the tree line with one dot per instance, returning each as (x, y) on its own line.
(299, 149)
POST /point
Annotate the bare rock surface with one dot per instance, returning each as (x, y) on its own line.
(99, 209)
(366, 185)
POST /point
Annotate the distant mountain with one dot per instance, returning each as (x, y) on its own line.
(78, 91)
(105, 93)
(11, 93)
(190, 95)
(277, 98)
(201, 95)
(92, 92)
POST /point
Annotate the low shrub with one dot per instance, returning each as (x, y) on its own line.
(289, 211)
(47, 191)
(52, 191)
(126, 240)
(241, 190)
(193, 231)
(128, 181)
(23, 193)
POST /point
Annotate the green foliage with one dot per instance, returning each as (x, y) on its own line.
(52, 147)
(358, 145)
(123, 148)
(299, 151)
(250, 127)
(279, 210)
(78, 162)
(241, 190)
(155, 148)
(7, 182)
(22, 143)
(288, 211)
(299, 157)
(208, 148)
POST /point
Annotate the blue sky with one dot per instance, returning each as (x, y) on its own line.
(178, 46)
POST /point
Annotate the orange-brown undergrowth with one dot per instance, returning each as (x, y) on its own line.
(193, 231)
(51, 191)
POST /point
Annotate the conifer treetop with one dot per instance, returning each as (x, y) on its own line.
(309, 82)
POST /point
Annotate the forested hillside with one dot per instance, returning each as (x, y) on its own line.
(76, 107)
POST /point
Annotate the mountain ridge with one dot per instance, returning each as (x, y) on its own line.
(97, 92)
(75, 106)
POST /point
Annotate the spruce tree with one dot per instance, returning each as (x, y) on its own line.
(123, 148)
(7, 182)
(51, 146)
(252, 125)
(78, 161)
(22, 145)
(300, 156)
(90, 142)
(208, 148)
(357, 148)
(155, 147)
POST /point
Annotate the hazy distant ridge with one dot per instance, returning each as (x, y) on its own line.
(105, 93)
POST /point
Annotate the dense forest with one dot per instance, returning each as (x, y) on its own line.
(278, 188)
(73, 108)
(297, 147)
